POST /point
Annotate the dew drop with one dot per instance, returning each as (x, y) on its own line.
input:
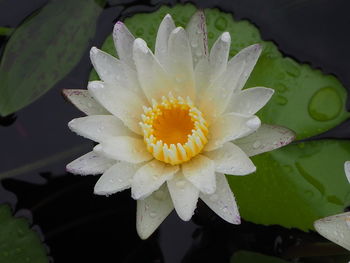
(256, 144)
(194, 44)
(281, 100)
(325, 104)
(281, 87)
(220, 23)
(153, 214)
(291, 67)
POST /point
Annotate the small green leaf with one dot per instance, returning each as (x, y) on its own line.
(18, 243)
(295, 185)
(5, 31)
(305, 100)
(44, 49)
(252, 257)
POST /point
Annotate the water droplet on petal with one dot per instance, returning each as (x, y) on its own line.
(256, 144)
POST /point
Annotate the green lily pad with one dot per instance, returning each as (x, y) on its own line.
(44, 49)
(18, 243)
(252, 257)
(295, 185)
(305, 100)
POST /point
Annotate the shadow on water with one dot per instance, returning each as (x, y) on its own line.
(79, 226)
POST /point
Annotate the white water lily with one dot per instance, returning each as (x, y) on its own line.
(169, 125)
(336, 228)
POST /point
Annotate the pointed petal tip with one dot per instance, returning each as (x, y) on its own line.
(168, 16)
(118, 26)
(95, 85)
(93, 50)
(178, 30)
(226, 37)
(143, 234)
(140, 45)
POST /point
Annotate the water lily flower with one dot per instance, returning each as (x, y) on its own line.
(170, 124)
(336, 228)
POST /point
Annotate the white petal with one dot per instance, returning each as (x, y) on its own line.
(107, 67)
(153, 79)
(222, 202)
(100, 127)
(82, 99)
(217, 97)
(229, 127)
(335, 228)
(265, 139)
(245, 60)
(202, 78)
(219, 55)
(230, 159)
(152, 211)
(90, 163)
(123, 41)
(200, 171)
(161, 48)
(249, 101)
(121, 102)
(116, 179)
(198, 37)
(347, 170)
(180, 64)
(184, 196)
(114, 71)
(150, 177)
(125, 148)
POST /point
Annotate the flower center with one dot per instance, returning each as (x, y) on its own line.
(174, 130)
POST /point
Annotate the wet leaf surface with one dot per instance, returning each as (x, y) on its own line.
(18, 242)
(44, 49)
(295, 185)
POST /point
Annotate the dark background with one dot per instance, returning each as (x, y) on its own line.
(79, 226)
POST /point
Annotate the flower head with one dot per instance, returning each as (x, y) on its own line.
(169, 125)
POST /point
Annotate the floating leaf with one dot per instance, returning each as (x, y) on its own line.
(44, 49)
(252, 257)
(19, 243)
(295, 185)
(305, 100)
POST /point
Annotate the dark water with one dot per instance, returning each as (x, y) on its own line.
(78, 226)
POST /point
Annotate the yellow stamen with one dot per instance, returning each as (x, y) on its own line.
(174, 130)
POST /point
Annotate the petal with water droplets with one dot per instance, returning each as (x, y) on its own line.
(335, 228)
(90, 163)
(152, 211)
(115, 179)
(222, 202)
(150, 177)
